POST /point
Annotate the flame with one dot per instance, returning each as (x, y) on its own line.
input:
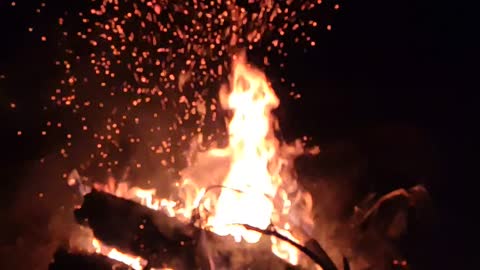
(135, 262)
(256, 169)
(253, 172)
(283, 249)
(251, 146)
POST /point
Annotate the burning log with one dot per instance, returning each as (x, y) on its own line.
(312, 249)
(63, 260)
(136, 229)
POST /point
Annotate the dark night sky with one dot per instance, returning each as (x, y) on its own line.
(393, 78)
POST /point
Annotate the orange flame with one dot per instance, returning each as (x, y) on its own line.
(257, 161)
(137, 263)
(254, 174)
(252, 147)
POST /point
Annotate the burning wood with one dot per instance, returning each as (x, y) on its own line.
(163, 240)
(260, 190)
(248, 213)
(136, 229)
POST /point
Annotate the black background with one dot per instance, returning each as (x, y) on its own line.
(393, 78)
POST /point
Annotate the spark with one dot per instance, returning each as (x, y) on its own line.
(154, 66)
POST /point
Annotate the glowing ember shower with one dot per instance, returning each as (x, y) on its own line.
(252, 146)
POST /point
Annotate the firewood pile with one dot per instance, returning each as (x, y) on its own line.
(166, 243)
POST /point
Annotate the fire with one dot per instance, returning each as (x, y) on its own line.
(255, 188)
(145, 197)
(255, 180)
(283, 249)
(251, 146)
(137, 263)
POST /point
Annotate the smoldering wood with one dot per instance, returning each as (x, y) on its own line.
(64, 260)
(163, 240)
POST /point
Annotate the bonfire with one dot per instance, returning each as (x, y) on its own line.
(237, 207)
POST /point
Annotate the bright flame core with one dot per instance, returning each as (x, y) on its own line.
(251, 146)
